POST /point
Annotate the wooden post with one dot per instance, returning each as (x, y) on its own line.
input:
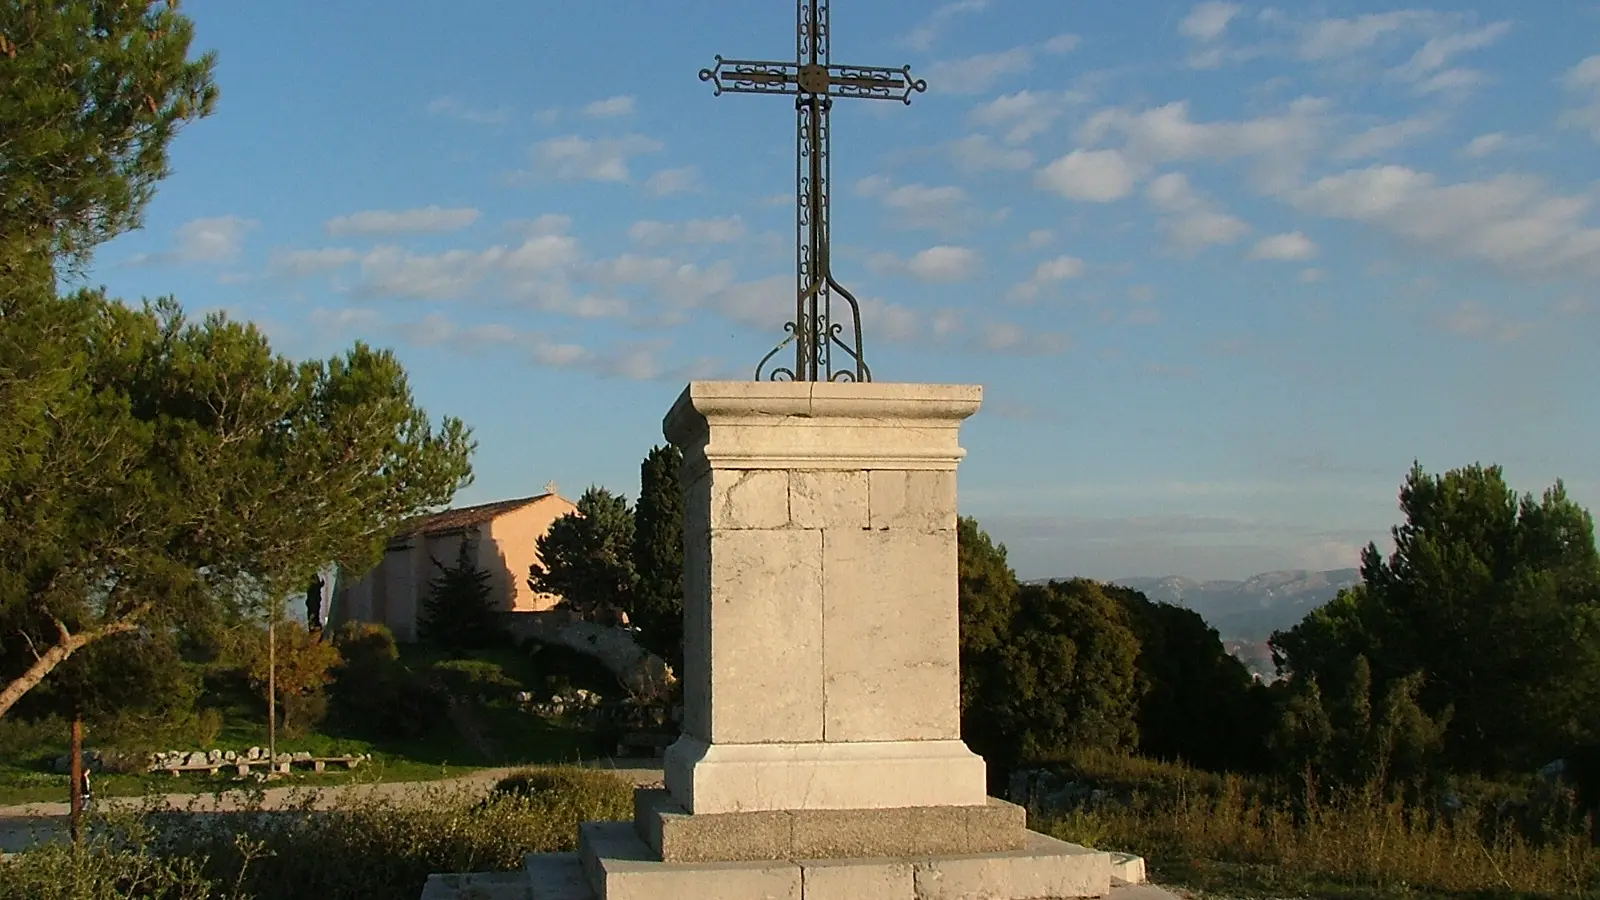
(75, 769)
(272, 691)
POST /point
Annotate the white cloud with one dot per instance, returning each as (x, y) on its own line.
(724, 230)
(610, 108)
(918, 205)
(1510, 222)
(548, 223)
(1437, 52)
(1281, 144)
(1024, 114)
(574, 158)
(299, 263)
(395, 272)
(1047, 273)
(1583, 80)
(215, 239)
(1293, 246)
(936, 265)
(1380, 139)
(1037, 239)
(1207, 21)
(667, 182)
(977, 74)
(1473, 320)
(1096, 176)
(1310, 276)
(1062, 43)
(944, 264)
(427, 219)
(980, 153)
(923, 37)
(452, 108)
(1335, 38)
(1013, 339)
(1484, 145)
(206, 240)
(1190, 220)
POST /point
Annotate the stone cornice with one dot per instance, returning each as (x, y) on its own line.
(806, 425)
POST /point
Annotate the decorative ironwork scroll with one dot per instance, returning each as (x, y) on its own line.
(814, 82)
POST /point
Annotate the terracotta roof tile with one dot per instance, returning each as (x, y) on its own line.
(465, 517)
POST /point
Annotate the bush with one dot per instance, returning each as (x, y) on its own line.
(475, 677)
(373, 694)
(101, 871)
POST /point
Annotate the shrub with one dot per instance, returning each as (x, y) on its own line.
(101, 871)
(373, 693)
(472, 677)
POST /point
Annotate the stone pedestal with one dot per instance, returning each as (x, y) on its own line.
(821, 651)
(821, 755)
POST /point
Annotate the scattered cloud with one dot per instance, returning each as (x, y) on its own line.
(212, 239)
(1191, 221)
(1062, 43)
(427, 219)
(1013, 339)
(978, 74)
(1486, 145)
(389, 271)
(452, 108)
(936, 265)
(1510, 222)
(1472, 320)
(724, 230)
(610, 108)
(1379, 140)
(1337, 38)
(1311, 276)
(300, 263)
(549, 223)
(918, 205)
(1037, 239)
(1429, 68)
(927, 33)
(1280, 144)
(1208, 21)
(668, 182)
(1291, 247)
(574, 158)
(1583, 80)
(1025, 114)
(980, 153)
(1094, 176)
(1048, 273)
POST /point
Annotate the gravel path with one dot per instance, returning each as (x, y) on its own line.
(27, 823)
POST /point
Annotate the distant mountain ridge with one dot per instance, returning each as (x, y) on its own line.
(1248, 610)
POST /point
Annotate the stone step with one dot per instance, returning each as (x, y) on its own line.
(619, 866)
(480, 886)
(556, 876)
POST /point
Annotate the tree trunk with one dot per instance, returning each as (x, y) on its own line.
(45, 662)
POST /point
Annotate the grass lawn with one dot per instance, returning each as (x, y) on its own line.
(509, 736)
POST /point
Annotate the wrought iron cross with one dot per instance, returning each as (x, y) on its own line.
(815, 82)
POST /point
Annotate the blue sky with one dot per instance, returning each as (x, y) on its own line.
(1223, 269)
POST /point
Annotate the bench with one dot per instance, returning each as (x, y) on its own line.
(243, 766)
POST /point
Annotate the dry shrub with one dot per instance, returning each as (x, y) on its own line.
(368, 846)
(1186, 827)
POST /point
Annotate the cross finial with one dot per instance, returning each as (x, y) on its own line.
(549, 487)
(814, 82)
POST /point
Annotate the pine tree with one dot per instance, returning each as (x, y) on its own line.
(658, 555)
(587, 557)
(458, 613)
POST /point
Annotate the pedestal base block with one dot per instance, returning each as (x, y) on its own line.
(675, 835)
(619, 866)
(727, 778)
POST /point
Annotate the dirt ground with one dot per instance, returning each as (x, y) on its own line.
(25, 824)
